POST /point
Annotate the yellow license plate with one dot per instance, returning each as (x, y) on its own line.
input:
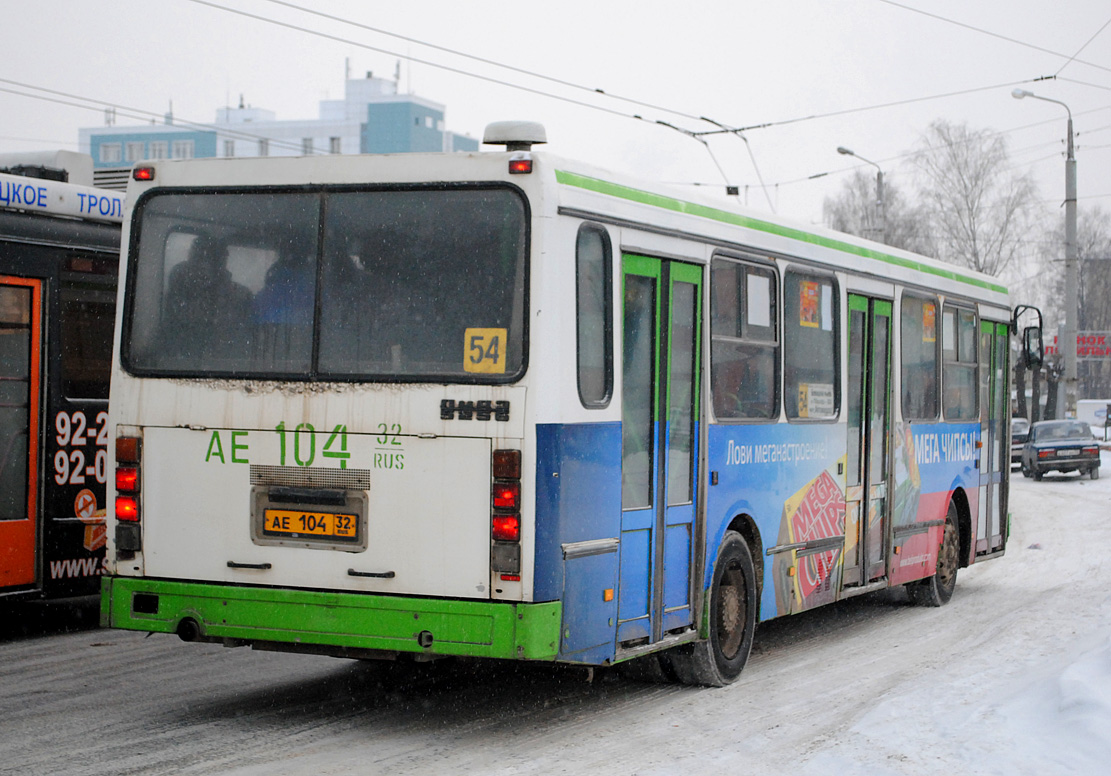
(294, 523)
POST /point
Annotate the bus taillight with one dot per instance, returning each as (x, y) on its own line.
(507, 464)
(127, 508)
(505, 520)
(128, 455)
(127, 479)
(127, 449)
(507, 528)
(507, 495)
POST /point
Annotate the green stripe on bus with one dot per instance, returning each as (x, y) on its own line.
(363, 621)
(726, 217)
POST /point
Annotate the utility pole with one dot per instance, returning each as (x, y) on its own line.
(1072, 267)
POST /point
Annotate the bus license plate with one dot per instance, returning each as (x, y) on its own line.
(295, 523)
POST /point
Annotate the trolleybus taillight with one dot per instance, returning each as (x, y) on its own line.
(505, 520)
(127, 479)
(127, 509)
(128, 456)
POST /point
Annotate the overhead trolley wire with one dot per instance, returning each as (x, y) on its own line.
(989, 33)
(483, 60)
(139, 114)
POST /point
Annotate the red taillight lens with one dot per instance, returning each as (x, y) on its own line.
(505, 518)
(127, 479)
(520, 166)
(1046, 453)
(507, 464)
(1091, 450)
(143, 173)
(127, 509)
(507, 528)
(507, 495)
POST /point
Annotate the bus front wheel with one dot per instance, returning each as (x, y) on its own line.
(938, 589)
(718, 660)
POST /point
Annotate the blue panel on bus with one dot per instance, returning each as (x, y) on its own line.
(677, 554)
(635, 568)
(578, 499)
(578, 494)
(588, 620)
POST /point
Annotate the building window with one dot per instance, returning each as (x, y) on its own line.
(182, 149)
(918, 372)
(594, 314)
(158, 149)
(306, 146)
(744, 342)
(263, 147)
(428, 121)
(134, 152)
(811, 344)
(958, 335)
(334, 145)
(229, 148)
(111, 153)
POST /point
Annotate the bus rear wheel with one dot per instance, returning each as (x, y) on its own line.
(938, 589)
(718, 660)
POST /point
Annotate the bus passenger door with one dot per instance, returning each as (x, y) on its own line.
(995, 453)
(20, 343)
(660, 371)
(869, 429)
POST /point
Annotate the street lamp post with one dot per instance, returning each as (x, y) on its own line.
(879, 190)
(1072, 269)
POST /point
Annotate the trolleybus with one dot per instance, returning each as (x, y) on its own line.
(59, 257)
(506, 405)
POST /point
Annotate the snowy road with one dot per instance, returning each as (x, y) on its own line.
(1013, 676)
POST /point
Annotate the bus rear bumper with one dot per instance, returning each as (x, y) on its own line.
(331, 623)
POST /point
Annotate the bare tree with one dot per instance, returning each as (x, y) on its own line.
(855, 211)
(1093, 243)
(979, 212)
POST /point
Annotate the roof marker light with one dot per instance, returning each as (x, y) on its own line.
(143, 173)
(520, 164)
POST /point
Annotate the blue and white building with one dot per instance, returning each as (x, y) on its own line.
(372, 118)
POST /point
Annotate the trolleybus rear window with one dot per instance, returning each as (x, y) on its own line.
(399, 284)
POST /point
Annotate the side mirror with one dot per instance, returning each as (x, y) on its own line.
(1032, 352)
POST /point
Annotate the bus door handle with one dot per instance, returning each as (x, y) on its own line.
(260, 566)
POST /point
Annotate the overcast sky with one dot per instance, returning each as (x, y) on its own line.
(740, 62)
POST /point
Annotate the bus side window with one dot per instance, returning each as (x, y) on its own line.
(594, 315)
(960, 364)
(744, 349)
(918, 357)
(811, 323)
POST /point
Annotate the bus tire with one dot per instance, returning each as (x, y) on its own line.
(938, 589)
(718, 660)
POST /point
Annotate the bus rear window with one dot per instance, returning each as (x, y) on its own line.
(416, 284)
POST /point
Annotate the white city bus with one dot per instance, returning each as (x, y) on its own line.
(506, 405)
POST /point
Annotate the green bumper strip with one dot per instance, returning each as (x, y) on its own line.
(728, 217)
(353, 620)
